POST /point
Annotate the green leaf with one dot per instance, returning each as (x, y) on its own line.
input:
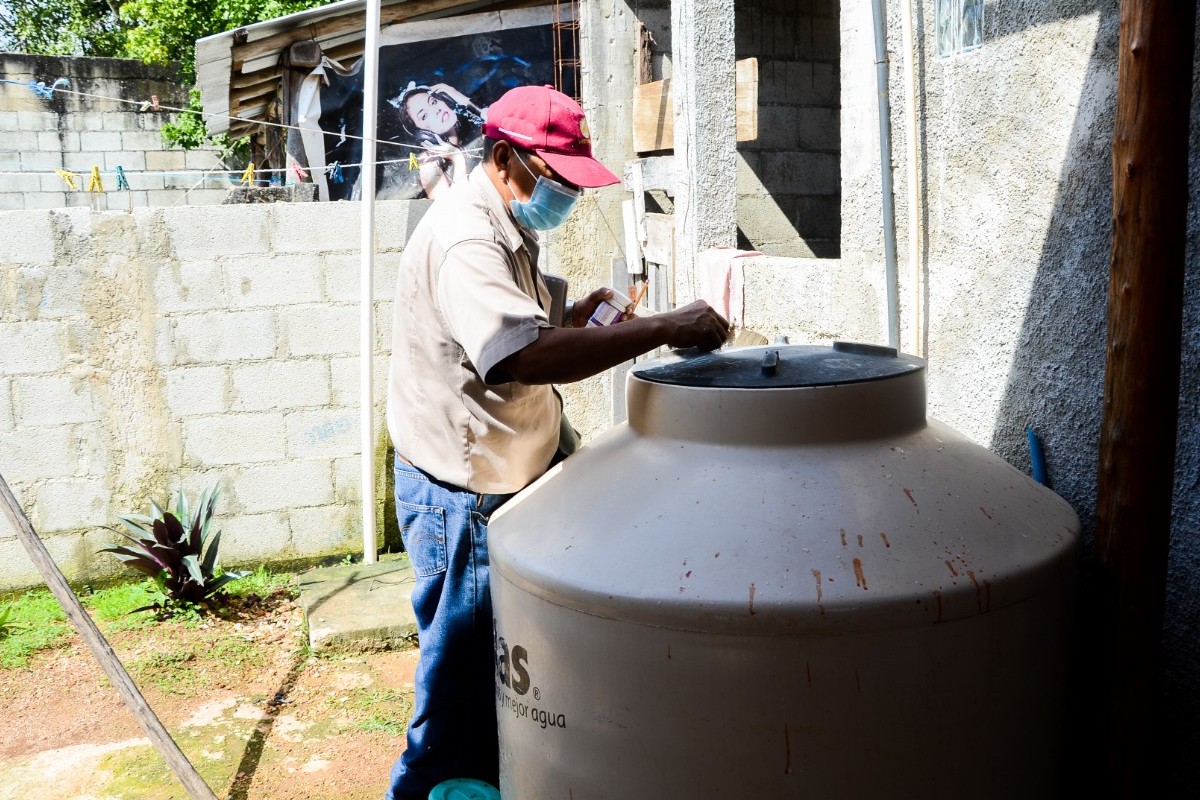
(192, 564)
(210, 555)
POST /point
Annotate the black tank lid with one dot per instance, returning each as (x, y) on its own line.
(780, 366)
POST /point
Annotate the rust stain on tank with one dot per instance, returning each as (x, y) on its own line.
(808, 672)
(860, 541)
(984, 510)
(787, 750)
(950, 567)
(978, 590)
(938, 597)
(860, 579)
(883, 536)
(908, 493)
(668, 652)
(842, 533)
(816, 573)
(752, 611)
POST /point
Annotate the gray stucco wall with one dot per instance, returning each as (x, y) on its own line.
(1014, 153)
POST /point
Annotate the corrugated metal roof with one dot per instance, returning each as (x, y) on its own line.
(238, 72)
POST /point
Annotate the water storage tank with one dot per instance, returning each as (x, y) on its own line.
(778, 580)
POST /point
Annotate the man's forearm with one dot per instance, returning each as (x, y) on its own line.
(564, 355)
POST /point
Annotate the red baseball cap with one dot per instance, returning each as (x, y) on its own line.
(551, 124)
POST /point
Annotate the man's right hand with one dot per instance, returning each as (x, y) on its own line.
(695, 325)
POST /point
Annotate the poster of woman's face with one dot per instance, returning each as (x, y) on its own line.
(436, 81)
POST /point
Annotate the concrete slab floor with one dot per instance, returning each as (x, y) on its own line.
(356, 607)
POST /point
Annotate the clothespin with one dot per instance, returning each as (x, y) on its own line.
(69, 177)
(412, 162)
(122, 181)
(149, 105)
(299, 170)
(248, 175)
(335, 172)
(95, 184)
(154, 102)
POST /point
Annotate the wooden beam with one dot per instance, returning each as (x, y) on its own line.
(83, 623)
(1141, 384)
(653, 110)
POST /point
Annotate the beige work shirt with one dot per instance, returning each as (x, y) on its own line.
(468, 295)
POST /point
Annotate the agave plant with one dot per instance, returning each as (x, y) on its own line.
(178, 549)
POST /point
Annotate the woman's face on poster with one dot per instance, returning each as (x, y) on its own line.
(430, 113)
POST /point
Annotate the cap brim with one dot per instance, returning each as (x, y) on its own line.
(579, 170)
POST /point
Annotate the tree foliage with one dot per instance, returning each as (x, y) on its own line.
(152, 31)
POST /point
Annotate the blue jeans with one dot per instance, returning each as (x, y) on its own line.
(452, 732)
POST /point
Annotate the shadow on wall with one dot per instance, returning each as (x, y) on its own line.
(1056, 384)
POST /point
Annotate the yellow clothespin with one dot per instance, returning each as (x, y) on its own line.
(95, 185)
(412, 162)
(248, 175)
(69, 177)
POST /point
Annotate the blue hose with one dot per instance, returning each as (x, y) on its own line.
(1036, 457)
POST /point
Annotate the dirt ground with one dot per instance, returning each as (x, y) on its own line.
(258, 717)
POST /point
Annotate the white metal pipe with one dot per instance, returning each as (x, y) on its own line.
(914, 188)
(366, 339)
(885, 169)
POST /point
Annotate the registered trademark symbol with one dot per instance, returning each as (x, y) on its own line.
(537, 693)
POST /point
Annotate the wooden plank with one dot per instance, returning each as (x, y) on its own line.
(653, 110)
(1141, 389)
(83, 623)
(659, 246)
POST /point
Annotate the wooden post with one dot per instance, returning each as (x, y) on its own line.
(116, 673)
(1141, 386)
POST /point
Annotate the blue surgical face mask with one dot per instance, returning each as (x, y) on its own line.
(548, 206)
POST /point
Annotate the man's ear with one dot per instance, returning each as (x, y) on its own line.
(501, 156)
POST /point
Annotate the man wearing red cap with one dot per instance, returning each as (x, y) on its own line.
(472, 412)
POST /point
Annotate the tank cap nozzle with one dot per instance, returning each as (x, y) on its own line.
(770, 362)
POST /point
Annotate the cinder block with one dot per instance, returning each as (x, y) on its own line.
(49, 141)
(394, 222)
(30, 347)
(190, 286)
(148, 141)
(279, 281)
(819, 129)
(193, 391)
(305, 227)
(119, 120)
(32, 454)
(146, 183)
(322, 434)
(219, 336)
(347, 479)
(54, 400)
(61, 505)
(63, 293)
(325, 528)
(280, 385)
(130, 161)
(42, 162)
(45, 199)
(36, 121)
(82, 162)
(164, 198)
(233, 439)
(826, 38)
(232, 230)
(252, 538)
(207, 197)
(801, 173)
(9, 121)
(344, 377)
(202, 159)
(164, 159)
(282, 486)
(11, 201)
(343, 270)
(28, 239)
(319, 329)
(103, 141)
(777, 126)
(25, 140)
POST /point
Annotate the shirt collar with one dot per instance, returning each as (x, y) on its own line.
(514, 233)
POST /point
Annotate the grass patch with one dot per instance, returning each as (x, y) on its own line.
(380, 710)
(172, 671)
(114, 606)
(34, 621)
(263, 583)
(238, 652)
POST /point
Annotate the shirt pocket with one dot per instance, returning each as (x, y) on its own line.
(423, 529)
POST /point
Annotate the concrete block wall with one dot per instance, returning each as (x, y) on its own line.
(182, 347)
(88, 126)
